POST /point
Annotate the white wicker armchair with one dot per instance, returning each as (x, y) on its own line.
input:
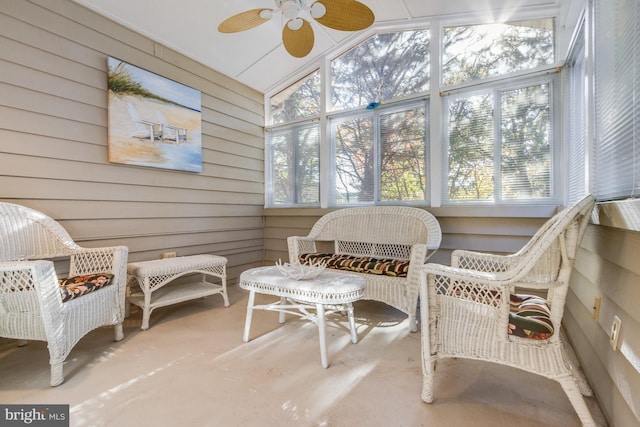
(399, 233)
(470, 310)
(31, 303)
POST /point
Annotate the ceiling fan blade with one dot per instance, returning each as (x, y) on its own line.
(243, 21)
(346, 15)
(298, 42)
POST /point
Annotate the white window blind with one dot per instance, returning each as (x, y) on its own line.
(617, 103)
(294, 165)
(575, 100)
(381, 156)
(500, 143)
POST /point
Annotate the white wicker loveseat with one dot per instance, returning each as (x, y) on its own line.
(387, 245)
(35, 305)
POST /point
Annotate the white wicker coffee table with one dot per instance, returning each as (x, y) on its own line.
(155, 277)
(328, 293)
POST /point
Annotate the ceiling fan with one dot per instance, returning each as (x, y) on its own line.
(297, 34)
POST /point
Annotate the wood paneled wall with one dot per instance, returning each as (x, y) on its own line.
(53, 141)
(607, 267)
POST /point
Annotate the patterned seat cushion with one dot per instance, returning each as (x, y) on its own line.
(359, 264)
(76, 286)
(530, 317)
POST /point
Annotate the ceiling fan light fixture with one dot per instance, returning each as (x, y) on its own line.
(266, 14)
(290, 9)
(295, 24)
(318, 10)
(297, 33)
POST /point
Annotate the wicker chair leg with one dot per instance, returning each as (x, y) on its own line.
(428, 371)
(57, 376)
(427, 389)
(577, 400)
(576, 371)
(413, 323)
(583, 385)
(118, 332)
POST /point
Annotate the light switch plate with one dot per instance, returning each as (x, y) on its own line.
(615, 332)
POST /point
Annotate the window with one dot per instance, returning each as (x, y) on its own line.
(498, 98)
(380, 152)
(499, 140)
(475, 52)
(499, 144)
(293, 166)
(300, 100)
(617, 89)
(576, 113)
(381, 156)
(384, 67)
(293, 175)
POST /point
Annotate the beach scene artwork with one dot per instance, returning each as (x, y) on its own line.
(153, 121)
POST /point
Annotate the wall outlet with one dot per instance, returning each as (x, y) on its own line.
(596, 308)
(168, 255)
(615, 332)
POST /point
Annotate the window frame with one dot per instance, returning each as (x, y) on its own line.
(269, 183)
(547, 76)
(615, 133)
(434, 197)
(399, 106)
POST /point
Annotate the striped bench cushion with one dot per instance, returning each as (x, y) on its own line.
(359, 264)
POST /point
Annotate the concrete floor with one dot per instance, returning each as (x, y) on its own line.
(191, 368)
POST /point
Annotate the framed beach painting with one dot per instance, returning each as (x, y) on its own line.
(153, 121)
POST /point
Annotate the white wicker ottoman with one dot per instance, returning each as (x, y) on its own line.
(154, 278)
(333, 291)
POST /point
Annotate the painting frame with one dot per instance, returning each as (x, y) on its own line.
(152, 121)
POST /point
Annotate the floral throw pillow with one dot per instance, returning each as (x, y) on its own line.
(76, 286)
(530, 317)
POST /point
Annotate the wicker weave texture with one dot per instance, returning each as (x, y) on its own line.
(465, 307)
(31, 306)
(397, 232)
(161, 271)
(327, 288)
(153, 275)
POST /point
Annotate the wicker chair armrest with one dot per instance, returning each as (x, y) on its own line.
(32, 286)
(418, 258)
(539, 286)
(494, 279)
(31, 267)
(111, 259)
(487, 278)
(434, 237)
(299, 245)
(420, 252)
(481, 261)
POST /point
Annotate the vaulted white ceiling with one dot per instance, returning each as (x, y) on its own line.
(256, 57)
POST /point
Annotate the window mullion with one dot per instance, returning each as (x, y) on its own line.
(327, 163)
(437, 147)
(377, 155)
(295, 140)
(497, 145)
